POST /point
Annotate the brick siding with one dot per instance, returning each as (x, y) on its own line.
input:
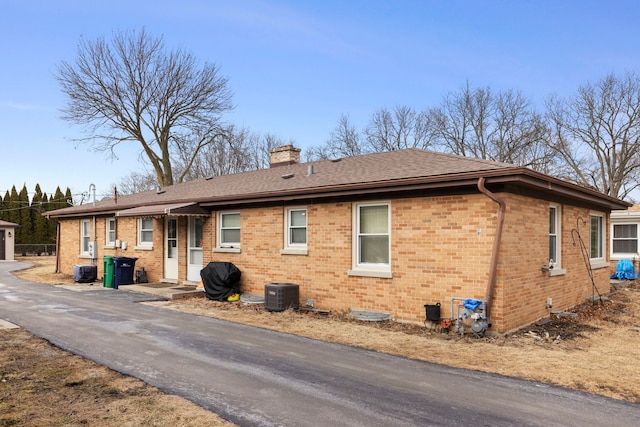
(440, 248)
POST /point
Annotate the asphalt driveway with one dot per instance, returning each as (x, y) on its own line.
(256, 377)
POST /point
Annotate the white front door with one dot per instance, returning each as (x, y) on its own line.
(195, 258)
(171, 249)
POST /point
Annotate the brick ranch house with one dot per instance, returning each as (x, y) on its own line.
(387, 232)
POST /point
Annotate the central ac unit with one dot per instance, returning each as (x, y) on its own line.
(281, 296)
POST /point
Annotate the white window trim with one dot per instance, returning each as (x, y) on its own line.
(84, 252)
(231, 247)
(598, 262)
(623, 255)
(365, 269)
(289, 247)
(557, 268)
(109, 243)
(144, 245)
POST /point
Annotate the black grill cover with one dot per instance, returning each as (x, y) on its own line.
(220, 279)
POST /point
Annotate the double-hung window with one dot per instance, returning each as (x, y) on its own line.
(296, 228)
(625, 240)
(229, 230)
(85, 236)
(554, 236)
(110, 226)
(596, 238)
(372, 239)
(555, 241)
(145, 232)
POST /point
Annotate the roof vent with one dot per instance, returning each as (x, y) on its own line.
(160, 190)
(335, 160)
(310, 170)
(208, 178)
(287, 176)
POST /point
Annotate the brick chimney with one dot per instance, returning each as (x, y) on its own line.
(284, 155)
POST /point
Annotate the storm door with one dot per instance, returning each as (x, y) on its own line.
(171, 249)
(195, 249)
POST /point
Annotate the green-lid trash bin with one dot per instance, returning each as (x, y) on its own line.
(108, 273)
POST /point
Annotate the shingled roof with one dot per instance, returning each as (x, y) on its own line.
(388, 172)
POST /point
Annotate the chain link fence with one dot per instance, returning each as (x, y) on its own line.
(35, 250)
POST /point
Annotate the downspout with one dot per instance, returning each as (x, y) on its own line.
(496, 243)
(57, 247)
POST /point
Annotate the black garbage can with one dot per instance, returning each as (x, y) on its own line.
(123, 270)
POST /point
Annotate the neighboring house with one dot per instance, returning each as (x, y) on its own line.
(387, 232)
(625, 226)
(7, 240)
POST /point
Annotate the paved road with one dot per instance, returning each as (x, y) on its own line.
(256, 377)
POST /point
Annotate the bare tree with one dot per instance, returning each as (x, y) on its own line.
(133, 89)
(241, 151)
(344, 141)
(135, 182)
(501, 127)
(401, 128)
(597, 133)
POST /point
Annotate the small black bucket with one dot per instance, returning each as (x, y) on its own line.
(433, 312)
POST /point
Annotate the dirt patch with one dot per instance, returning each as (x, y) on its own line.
(596, 351)
(41, 385)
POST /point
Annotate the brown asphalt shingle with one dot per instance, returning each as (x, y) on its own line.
(343, 174)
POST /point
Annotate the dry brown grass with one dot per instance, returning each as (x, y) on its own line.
(41, 385)
(598, 352)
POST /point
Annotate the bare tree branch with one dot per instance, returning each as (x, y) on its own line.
(597, 134)
(495, 126)
(132, 89)
(401, 128)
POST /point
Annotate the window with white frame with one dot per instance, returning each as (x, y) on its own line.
(625, 239)
(554, 236)
(85, 236)
(596, 237)
(296, 228)
(145, 231)
(229, 230)
(110, 227)
(372, 236)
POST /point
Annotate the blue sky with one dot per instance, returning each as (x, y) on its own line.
(295, 66)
